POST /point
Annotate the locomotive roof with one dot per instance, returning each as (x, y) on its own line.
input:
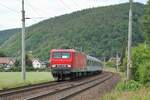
(62, 50)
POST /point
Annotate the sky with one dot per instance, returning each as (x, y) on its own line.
(38, 10)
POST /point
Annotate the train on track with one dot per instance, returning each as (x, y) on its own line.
(69, 63)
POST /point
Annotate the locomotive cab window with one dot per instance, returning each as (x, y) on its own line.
(57, 55)
(64, 55)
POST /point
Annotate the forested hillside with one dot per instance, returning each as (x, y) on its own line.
(98, 31)
(6, 34)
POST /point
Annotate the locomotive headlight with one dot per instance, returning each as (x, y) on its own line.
(53, 66)
(69, 66)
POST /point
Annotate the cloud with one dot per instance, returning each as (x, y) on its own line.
(37, 10)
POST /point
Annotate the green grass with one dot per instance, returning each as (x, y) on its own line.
(111, 69)
(14, 79)
(142, 94)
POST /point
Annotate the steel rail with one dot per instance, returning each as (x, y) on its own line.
(26, 88)
(82, 90)
(71, 86)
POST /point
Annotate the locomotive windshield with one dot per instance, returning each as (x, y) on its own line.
(61, 55)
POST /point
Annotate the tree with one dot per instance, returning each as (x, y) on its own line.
(16, 66)
(29, 58)
(2, 54)
(17, 63)
(65, 46)
(146, 23)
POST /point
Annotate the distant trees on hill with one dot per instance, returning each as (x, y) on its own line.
(2, 54)
(146, 23)
(98, 31)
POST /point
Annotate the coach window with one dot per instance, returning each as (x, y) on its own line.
(88, 62)
(91, 62)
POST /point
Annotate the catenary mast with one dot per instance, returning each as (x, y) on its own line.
(129, 62)
(23, 42)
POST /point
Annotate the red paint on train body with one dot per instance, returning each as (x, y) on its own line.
(68, 58)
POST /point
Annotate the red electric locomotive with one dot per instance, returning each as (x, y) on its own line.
(69, 63)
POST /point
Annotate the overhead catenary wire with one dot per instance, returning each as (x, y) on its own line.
(76, 4)
(40, 17)
(17, 12)
(36, 11)
(13, 10)
(65, 5)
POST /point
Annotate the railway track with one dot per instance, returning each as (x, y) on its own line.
(84, 89)
(15, 92)
(72, 90)
(20, 88)
(55, 90)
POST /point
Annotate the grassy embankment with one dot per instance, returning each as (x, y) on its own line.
(110, 69)
(14, 79)
(141, 94)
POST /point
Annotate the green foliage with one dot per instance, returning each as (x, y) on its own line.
(1, 69)
(6, 34)
(28, 61)
(144, 72)
(2, 54)
(123, 68)
(29, 58)
(140, 94)
(16, 67)
(146, 23)
(143, 64)
(110, 64)
(17, 63)
(140, 63)
(98, 31)
(128, 86)
(65, 46)
(140, 59)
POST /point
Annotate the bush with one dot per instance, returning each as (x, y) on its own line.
(2, 54)
(128, 86)
(122, 68)
(144, 74)
(1, 69)
(15, 69)
(110, 64)
(141, 64)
